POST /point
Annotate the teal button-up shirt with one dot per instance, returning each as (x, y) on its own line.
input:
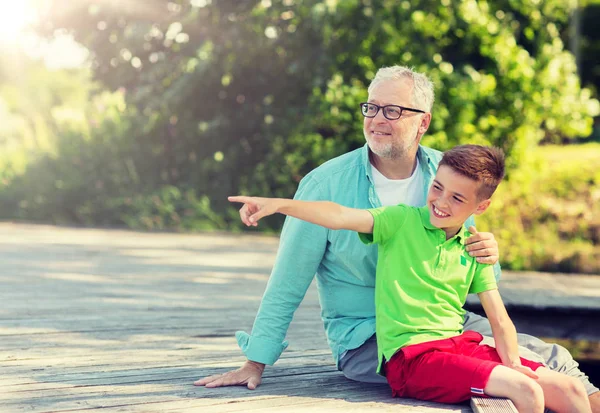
(344, 266)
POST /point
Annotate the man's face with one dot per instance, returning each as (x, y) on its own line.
(452, 199)
(398, 138)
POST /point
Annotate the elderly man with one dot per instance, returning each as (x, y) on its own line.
(391, 168)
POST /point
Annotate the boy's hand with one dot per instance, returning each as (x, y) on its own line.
(248, 375)
(482, 245)
(254, 208)
(525, 370)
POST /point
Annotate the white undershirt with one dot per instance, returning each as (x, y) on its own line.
(409, 191)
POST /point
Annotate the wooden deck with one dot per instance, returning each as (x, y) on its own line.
(120, 321)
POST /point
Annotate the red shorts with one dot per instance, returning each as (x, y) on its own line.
(446, 371)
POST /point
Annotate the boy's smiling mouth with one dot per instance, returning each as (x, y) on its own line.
(438, 213)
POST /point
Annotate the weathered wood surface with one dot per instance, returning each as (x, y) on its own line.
(121, 321)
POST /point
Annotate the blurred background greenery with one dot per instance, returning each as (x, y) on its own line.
(147, 114)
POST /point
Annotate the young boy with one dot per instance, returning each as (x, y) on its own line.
(423, 278)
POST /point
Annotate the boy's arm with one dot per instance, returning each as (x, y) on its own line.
(504, 331)
(324, 213)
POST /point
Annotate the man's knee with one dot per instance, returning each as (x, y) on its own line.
(360, 364)
(364, 376)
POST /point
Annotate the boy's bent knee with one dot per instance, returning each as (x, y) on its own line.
(525, 393)
(529, 397)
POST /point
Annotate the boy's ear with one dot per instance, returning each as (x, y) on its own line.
(483, 205)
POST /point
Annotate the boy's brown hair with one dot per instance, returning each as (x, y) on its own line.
(484, 164)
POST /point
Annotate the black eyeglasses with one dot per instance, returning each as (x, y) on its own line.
(390, 112)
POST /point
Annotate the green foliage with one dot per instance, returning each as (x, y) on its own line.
(84, 166)
(502, 73)
(216, 87)
(168, 208)
(90, 177)
(548, 217)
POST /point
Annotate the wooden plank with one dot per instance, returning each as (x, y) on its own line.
(492, 405)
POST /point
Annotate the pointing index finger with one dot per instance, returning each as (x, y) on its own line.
(238, 198)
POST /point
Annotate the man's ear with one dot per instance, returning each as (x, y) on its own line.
(483, 205)
(425, 122)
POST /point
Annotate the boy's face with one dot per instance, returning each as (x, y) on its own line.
(452, 199)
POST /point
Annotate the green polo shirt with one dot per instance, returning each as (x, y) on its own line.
(422, 279)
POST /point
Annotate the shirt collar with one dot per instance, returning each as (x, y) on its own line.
(424, 158)
(425, 218)
(461, 236)
(366, 162)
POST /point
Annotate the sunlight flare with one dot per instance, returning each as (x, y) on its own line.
(15, 16)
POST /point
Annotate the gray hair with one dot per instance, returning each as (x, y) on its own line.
(423, 95)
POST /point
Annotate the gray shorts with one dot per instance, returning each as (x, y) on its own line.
(360, 364)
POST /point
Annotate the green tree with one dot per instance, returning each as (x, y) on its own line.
(247, 96)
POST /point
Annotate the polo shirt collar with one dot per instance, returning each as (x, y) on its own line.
(460, 236)
(425, 218)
